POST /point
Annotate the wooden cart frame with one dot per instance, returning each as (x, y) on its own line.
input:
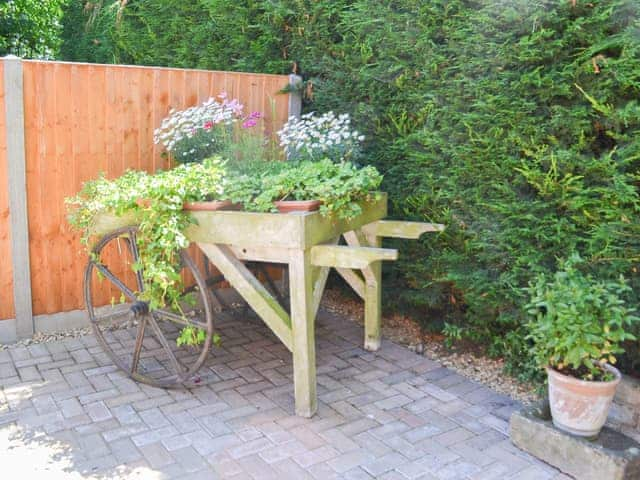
(307, 243)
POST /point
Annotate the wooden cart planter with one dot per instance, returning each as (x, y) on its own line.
(306, 242)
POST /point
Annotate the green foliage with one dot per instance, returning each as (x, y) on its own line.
(339, 186)
(30, 28)
(156, 201)
(517, 124)
(579, 322)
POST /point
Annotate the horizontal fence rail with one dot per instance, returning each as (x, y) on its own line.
(84, 119)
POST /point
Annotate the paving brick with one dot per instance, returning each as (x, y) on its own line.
(154, 418)
(28, 374)
(190, 460)
(385, 463)
(350, 460)
(124, 450)
(153, 436)
(156, 455)
(98, 412)
(250, 448)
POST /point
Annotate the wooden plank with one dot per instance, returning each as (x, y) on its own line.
(303, 329)
(320, 229)
(354, 280)
(247, 229)
(319, 277)
(349, 257)
(372, 290)
(261, 254)
(400, 229)
(255, 294)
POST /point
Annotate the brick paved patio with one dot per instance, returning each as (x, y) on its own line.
(66, 412)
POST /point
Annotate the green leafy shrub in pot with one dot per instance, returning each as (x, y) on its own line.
(579, 325)
(339, 186)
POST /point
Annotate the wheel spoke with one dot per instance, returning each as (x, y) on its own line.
(132, 241)
(116, 281)
(179, 319)
(138, 346)
(163, 341)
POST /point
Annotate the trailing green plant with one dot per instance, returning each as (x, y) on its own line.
(579, 323)
(341, 187)
(156, 201)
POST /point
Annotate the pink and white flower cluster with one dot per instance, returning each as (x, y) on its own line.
(185, 124)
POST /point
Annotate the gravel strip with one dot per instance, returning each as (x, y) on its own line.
(40, 337)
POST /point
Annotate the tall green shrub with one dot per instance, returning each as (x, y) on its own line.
(515, 122)
(30, 28)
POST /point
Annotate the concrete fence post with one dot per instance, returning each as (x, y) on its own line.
(17, 189)
(295, 96)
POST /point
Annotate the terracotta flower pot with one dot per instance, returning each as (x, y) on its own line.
(210, 206)
(286, 206)
(580, 407)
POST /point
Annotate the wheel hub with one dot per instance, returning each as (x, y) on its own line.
(139, 309)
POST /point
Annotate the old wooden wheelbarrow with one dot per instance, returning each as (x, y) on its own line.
(306, 242)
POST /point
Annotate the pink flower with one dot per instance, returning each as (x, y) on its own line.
(208, 125)
(249, 123)
(255, 115)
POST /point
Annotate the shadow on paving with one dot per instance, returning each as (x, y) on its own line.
(67, 412)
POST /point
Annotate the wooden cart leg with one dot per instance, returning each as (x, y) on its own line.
(372, 307)
(303, 325)
(372, 294)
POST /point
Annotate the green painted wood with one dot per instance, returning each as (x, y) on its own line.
(373, 304)
(255, 294)
(349, 257)
(303, 326)
(292, 230)
(401, 229)
(107, 222)
(372, 289)
(319, 229)
(319, 277)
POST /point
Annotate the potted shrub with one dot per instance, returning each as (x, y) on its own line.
(333, 188)
(579, 325)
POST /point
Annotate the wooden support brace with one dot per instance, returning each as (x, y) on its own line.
(255, 294)
(354, 280)
(400, 229)
(349, 257)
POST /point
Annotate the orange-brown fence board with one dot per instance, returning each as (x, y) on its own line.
(83, 119)
(6, 270)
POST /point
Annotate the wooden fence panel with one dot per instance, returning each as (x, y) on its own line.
(6, 270)
(83, 119)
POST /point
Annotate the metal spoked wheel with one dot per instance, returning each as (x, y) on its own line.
(140, 341)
